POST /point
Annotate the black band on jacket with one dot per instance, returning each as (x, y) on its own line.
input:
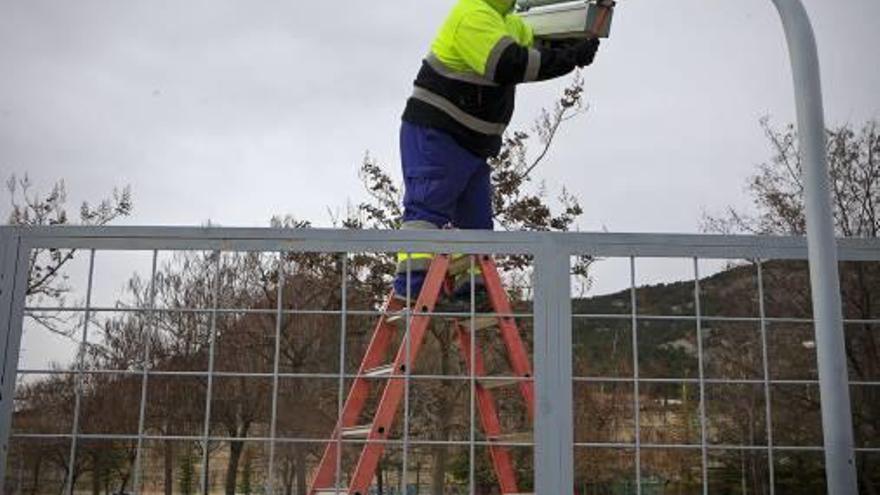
(475, 113)
(519, 64)
(556, 62)
(482, 145)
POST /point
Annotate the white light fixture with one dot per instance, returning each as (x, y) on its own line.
(567, 19)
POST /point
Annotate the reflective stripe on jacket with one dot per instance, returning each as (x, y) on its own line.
(467, 83)
(456, 89)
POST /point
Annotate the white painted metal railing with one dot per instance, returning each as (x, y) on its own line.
(552, 316)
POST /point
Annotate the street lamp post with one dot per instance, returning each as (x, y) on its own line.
(825, 280)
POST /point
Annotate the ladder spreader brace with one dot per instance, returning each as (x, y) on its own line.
(373, 434)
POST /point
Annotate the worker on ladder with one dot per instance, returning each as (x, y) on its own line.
(455, 119)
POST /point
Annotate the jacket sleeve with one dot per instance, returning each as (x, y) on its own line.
(481, 37)
(484, 44)
(519, 64)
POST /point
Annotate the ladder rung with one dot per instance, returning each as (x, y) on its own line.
(396, 318)
(399, 318)
(523, 437)
(489, 383)
(339, 491)
(380, 371)
(362, 431)
(462, 265)
(480, 323)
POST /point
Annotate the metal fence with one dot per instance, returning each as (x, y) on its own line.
(643, 385)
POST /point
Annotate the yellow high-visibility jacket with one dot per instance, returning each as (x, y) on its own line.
(467, 83)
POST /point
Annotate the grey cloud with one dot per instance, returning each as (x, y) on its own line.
(236, 110)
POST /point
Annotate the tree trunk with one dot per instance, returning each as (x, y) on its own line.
(37, 466)
(168, 455)
(438, 474)
(206, 487)
(123, 483)
(96, 473)
(75, 479)
(444, 418)
(380, 479)
(288, 474)
(300, 466)
(236, 447)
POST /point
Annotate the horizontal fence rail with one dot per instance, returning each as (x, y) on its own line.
(318, 240)
(562, 329)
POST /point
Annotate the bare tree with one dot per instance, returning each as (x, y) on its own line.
(30, 208)
(777, 190)
(179, 337)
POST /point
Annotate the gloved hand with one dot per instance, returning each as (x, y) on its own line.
(585, 52)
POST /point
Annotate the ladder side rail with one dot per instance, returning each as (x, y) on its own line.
(489, 418)
(395, 388)
(358, 395)
(516, 348)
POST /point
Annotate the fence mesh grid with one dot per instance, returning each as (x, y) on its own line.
(698, 411)
(699, 381)
(257, 363)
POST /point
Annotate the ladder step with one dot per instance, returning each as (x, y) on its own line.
(339, 491)
(396, 318)
(380, 371)
(480, 323)
(524, 437)
(461, 265)
(362, 431)
(489, 383)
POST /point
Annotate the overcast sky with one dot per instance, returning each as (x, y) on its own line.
(237, 110)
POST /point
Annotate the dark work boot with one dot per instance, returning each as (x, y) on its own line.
(460, 303)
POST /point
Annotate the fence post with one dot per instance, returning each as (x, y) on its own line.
(554, 416)
(830, 339)
(10, 336)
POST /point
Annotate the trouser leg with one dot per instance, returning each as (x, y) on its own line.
(474, 212)
(437, 174)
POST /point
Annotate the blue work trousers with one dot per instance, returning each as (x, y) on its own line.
(446, 186)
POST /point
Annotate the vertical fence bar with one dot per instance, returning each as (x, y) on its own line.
(704, 440)
(206, 433)
(409, 366)
(765, 357)
(554, 416)
(636, 399)
(837, 419)
(13, 288)
(472, 371)
(8, 258)
(79, 377)
(340, 399)
(148, 334)
(7, 265)
(273, 428)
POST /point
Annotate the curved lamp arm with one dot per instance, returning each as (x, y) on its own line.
(824, 275)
